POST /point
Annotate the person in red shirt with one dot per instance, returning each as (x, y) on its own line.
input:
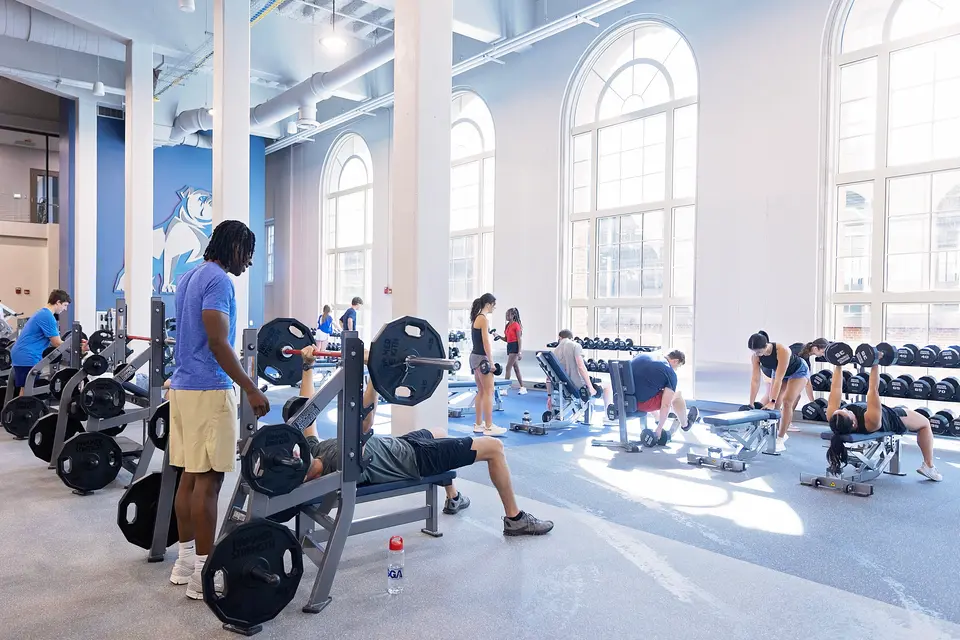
(514, 335)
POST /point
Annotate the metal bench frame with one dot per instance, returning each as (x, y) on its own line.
(868, 457)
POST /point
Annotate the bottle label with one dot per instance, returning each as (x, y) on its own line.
(395, 573)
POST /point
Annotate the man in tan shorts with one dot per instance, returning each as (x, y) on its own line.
(203, 407)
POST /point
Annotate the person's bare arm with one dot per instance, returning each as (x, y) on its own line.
(665, 405)
(370, 397)
(55, 341)
(584, 374)
(217, 326)
(520, 342)
(836, 391)
(754, 379)
(306, 384)
(873, 417)
(783, 361)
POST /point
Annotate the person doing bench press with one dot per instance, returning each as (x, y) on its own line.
(426, 452)
(872, 416)
(790, 375)
(655, 388)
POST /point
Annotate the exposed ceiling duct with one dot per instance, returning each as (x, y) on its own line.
(26, 23)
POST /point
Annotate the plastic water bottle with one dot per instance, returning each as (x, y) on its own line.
(395, 566)
(526, 417)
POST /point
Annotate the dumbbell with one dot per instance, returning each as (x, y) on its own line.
(922, 388)
(927, 356)
(552, 345)
(859, 383)
(866, 355)
(618, 344)
(602, 366)
(591, 365)
(820, 381)
(746, 407)
(883, 386)
(628, 343)
(954, 428)
(609, 344)
(454, 353)
(949, 357)
(888, 354)
(587, 343)
(907, 355)
(845, 387)
(648, 438)
(485, 367)
(946, 390)
(942, 421)
(578, 340)
(839, 353)
(815, 411)
(901, 386)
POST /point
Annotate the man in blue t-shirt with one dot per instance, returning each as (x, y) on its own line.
(655, 388)
(203, 407)
(349, 318)
(40, 332)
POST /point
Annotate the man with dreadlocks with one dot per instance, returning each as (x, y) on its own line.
(203, 407)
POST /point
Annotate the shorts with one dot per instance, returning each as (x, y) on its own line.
(802, 372)
(653, 404)
(20, 376)
(439, 455)
(203, 430)
(321, 335)
(475, 360)
(513, 347)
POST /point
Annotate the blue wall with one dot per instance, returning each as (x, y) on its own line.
(177, 173)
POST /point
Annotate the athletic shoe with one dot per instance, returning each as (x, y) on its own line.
(504, 391)
(930, 472)
(195, 586)
(781, 444)
(493, 430)
(182, 570)
(522, 391)
(478, 428)
(693, 416)
(793, 429)
(527, 525)
(453, 505)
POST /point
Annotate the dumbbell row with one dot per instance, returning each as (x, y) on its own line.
(903, 386)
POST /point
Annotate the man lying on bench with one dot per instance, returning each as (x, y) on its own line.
(425, 452)
(872, 417)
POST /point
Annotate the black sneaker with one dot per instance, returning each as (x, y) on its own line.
(527, 525)
(693, 415)
(453, 505)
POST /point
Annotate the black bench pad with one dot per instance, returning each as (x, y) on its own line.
(858, 437)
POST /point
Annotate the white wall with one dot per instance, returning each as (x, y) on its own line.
(760, 156)
(15, 166)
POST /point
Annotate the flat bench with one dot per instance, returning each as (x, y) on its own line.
(868, 455)
(753, 432)
(455, 387)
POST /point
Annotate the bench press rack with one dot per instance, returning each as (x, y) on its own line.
(754, 431)
(869, 455)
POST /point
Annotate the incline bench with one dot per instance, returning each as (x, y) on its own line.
(570, 403)
(869, 455)
(754, 431)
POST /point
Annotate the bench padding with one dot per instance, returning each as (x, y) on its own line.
(742, 417)
(554, 364)
(442, 479)
(859, 437)
(472, 384)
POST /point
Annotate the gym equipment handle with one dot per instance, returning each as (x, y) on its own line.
(145, 339)
(316, 354)
(440, 363)
(265, 576)
(287, 461)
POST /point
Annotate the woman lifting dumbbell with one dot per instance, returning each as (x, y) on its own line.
(514, 335)
(872, 416)
(484, 375)
(789, 377)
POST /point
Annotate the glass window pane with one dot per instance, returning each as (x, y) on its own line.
(683, 283)
(465, 140)
(684, 222)
(579, 321)
(944, 324)
(864, 25)
(489, 180)
(651, 327)
(581, 233)
(607, 322)
(907, 323)
(487, 284)
(608, 231)
(853, 323)
(909, 195)
(907, 272)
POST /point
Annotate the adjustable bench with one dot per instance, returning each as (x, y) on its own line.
(457, 388)
(570, 403)
(754, 431)
(868, 455)
(624, 406)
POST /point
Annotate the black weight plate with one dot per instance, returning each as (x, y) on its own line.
(839, 353)
(547, 416)
(664, 438)
(5, 360)
(272, 364)
(907, 355)
(137, 524)
(95, 365)
(103, 398)
(76, 410)
(611, 412)
(954, 428)
(291, 406)
(99, 341)
(244, 557)
(89, 461)
(267, 460)
(59, 380)
(44, 430)
(20, 413)
(397, 383)
(158, 427)
(648, 437)
(888, 354)
(867, 355)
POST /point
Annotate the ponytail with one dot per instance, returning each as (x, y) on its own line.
(819, 343)
(759, 340)
(479, 304)
(841, 425)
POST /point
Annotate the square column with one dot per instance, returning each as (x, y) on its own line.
(138, 213)
(420, 180)
(231, 130)
(84, 285)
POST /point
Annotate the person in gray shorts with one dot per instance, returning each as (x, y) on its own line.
(425, 452)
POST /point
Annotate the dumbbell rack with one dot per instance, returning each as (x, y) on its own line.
(595, 345)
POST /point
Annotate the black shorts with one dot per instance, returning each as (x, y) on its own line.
(513, 347)
(439, 455)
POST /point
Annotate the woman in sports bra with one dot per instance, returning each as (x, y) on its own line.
(789, 378)
(513, 333)
(483, 351)
(872, 416)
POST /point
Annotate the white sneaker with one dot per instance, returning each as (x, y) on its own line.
(793, 429)
(505, 391)
(182, 570)
(522, 391)
(930, 472)
(478, 428)
(494, 431)
(781, 444)
(195, 586)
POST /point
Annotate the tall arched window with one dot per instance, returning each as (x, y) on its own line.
(472, 143)
(347, 229)
(631, 182)
(894, 227)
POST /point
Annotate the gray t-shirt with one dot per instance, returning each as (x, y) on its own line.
(387, 459)
(567, 353)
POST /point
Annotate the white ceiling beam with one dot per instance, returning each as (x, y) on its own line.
(477, 19)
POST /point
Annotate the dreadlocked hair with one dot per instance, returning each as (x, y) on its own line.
(231, 244)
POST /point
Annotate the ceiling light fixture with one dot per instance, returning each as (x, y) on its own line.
(333, 42)
(98, 89)
(291, 128)
(188, 6)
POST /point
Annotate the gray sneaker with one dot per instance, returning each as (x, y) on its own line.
(453, 505)
(693, 416)
(527, 525)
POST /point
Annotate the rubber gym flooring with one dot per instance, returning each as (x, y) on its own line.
(645, 546)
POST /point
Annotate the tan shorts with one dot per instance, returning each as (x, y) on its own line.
(203, 430)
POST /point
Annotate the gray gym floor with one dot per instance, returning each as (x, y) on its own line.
(645, 547)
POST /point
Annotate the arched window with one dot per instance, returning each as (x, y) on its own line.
(894, 167)
(347, 233)
(472, 142)
(631, 182)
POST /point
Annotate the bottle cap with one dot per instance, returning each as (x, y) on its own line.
(396, 543)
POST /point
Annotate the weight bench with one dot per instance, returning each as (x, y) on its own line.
(868, 455)
(569, 403)
(456, 406)
(624, 406)
(754, 431)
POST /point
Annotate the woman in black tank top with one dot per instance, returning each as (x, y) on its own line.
(483, 351)
(870, 417)
(789, 376)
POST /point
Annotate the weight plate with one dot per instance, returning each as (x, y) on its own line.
(888, 354)
(99, 341)
(75, 409)
(5, 360)
(275, 459)
(44, 430)
(291, 406)
(547, 416)
(89, 461)
(137, 523)
(158, 427)
(397, 383)
(20, 413)
(59, 380)
(256, 585)
(272, 364)
(95, 365)
(103, 398)
(648, 437)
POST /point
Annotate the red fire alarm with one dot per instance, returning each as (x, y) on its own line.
(387, 290)
(19, 290)
(26, 292)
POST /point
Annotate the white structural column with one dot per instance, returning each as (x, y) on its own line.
(138, 218)
(231, 129)
(84, 284)
(420, 183)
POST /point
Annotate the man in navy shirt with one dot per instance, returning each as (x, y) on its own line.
(655, 385)
(40, 332)
(349, 318)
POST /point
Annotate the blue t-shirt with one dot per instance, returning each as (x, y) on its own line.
(352, 314)
(34, 338)
(326, 326)
(650, 376)
(205, 287)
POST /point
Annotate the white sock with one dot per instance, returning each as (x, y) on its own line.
(199, 562)
(187, 550)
